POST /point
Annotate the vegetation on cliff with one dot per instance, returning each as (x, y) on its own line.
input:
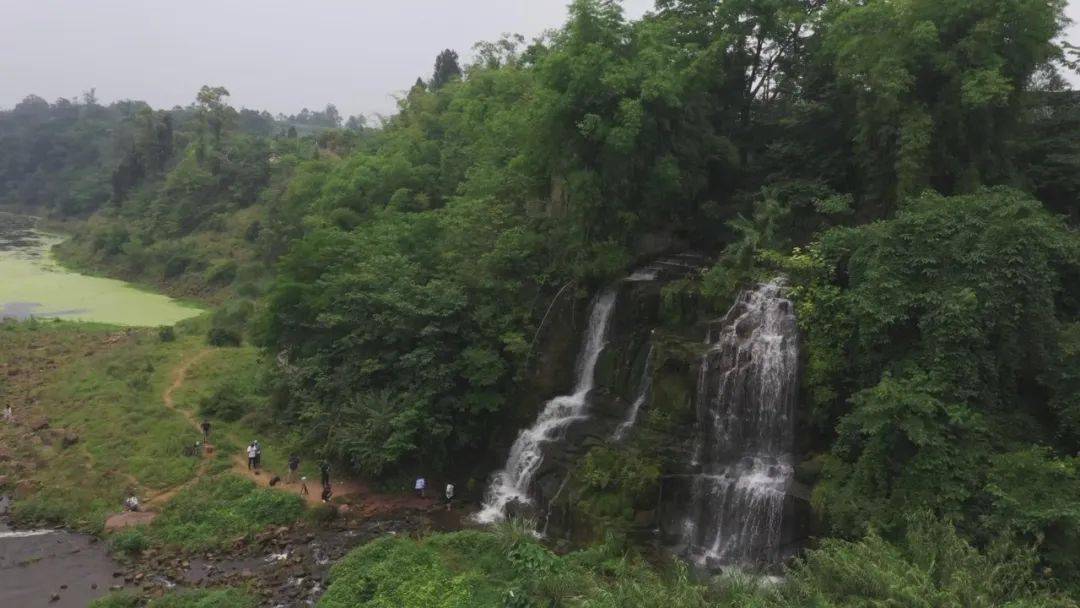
(910, 165)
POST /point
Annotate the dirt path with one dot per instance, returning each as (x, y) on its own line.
(178, 377)
(359, 498)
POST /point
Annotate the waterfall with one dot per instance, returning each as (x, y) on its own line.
(644, 391)
(511, 484)
(746, 400)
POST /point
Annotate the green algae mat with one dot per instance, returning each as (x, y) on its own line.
(33, 284)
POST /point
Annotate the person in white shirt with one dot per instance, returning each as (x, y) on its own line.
(449, 495)
(421, 485)
(252, 454)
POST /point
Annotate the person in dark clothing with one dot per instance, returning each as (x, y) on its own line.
(324, 470)
(327, 492)
(205, 429)
(294, 464)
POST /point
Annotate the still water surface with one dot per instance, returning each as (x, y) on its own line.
(33, 284)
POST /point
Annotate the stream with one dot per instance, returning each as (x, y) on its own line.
(36, 564)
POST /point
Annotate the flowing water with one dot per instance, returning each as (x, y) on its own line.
(35, 564)
(746, 404)
(33, 284)
(511, 484)
(644, 392)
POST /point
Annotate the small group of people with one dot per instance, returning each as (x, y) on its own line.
(421, 491)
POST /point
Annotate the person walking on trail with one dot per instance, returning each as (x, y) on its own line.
(449, 495)
(294, 464)
(303, 486)
(252, 454)
(324, 471)
(9, 415)
(205, 426)
(420, 487)
(327, 492)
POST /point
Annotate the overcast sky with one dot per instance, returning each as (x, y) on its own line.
(279, 55)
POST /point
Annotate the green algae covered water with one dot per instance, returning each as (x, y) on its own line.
(33, 284)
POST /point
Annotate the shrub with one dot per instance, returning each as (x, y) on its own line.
(219, 336)
(130, 541)
(227, 402)
(166, 333)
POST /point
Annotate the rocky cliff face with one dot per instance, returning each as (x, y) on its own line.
(704, 465)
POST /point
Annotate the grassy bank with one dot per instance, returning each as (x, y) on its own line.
(98, 388)
(101, 391)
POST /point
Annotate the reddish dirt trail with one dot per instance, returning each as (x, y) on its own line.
(178, 377)
(355, 495)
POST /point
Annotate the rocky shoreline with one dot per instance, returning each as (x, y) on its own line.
(286, 566)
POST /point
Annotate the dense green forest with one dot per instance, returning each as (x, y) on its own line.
(912, 166)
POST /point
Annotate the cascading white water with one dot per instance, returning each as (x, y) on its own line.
(511, 484)
(746, 404)
(644, 391)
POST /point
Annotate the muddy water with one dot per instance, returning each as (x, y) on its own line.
(36, 564)
(32, 283)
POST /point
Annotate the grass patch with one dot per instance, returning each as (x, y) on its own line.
(201, 598)
(104, 385)
(216, 511)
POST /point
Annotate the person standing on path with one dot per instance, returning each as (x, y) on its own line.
(258, 456)
(252, 453)
(449, 495)
(205, 426)
(421, 486)
(9, 415)
(294, 464)
(324, 471)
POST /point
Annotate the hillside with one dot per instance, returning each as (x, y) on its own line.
(782, 287)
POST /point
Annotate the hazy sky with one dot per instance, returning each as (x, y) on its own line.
(279, 55)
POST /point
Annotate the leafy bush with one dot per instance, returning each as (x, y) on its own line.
(229, 401)
(130, 541)
(933, 566)
(166, 333)
(484, 569)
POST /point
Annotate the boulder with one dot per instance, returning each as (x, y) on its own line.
(39, 424)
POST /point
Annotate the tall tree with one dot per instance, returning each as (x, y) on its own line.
(446, 69)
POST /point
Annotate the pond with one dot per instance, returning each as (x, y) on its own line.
(33, 284)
